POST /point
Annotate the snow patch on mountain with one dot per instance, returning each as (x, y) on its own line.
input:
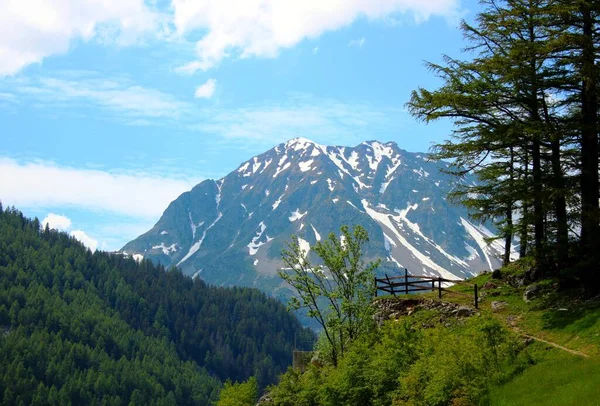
(478, 236)
(194, 226)
(255, 244)
(330, 184)
(166, 250)
(384, 220)
(384, 185)
(317, 235)
(296, 215)
(243, 167)
(306, 166)
(277, 202)
(196, 246)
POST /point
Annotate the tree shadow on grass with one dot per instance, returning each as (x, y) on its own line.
(579, 319)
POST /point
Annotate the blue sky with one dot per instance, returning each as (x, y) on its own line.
(111, 109)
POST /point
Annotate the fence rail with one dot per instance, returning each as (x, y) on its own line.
(414, 283)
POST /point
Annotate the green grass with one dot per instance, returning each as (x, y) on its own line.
(557, 379)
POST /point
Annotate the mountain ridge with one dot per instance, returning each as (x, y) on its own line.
(230, 231)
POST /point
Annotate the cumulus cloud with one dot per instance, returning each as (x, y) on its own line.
(263, 27)
(42, 184)
(31, 30)
(88, 241)
(63, 223)
(57, 222)
(206, 90)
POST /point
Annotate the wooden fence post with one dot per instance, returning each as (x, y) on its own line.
(476, 299)
(440, 287)
(390, 285)
(406, 281)
(375, 284)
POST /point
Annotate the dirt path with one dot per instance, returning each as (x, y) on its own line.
(518, 331)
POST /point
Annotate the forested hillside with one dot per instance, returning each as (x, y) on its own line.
(82, 328)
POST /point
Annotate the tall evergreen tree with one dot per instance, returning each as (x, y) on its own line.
(527, 102)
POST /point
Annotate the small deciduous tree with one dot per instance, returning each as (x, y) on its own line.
(239, 394)
(336, 293)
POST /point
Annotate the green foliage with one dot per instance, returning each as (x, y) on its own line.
(83, 328)
(525, 107)
(336, 293)
(239, 394)
(402, 364)
(460, 367)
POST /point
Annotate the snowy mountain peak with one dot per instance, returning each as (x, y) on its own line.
(234, 229)
(300, 143)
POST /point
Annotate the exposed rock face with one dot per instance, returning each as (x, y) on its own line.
(498, 305)
(394, 308)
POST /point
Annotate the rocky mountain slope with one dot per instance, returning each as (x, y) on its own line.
(231, 231)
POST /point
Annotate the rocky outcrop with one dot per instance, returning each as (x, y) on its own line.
(396, 307)
(532, 292)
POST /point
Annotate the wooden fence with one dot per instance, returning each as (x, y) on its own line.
(415, 283)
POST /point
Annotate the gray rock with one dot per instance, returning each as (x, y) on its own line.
(464, 311)
(516, 281)
(532, 292)
(265, 400)
(498, 305)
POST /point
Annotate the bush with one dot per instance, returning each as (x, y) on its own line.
(459, 367)
(402, 364)
(239, 394)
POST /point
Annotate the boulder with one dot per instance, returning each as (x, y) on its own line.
(516, 281)
(498, 305)
(532, 292)
(464, 311)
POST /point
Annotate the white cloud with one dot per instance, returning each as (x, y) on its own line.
(57, 222)
(63, 223)
(42, 184)
(206, 90)
(263, 27)
(115, 95)
(327, 120)
(357, 42)
(85, 239)
(31, 30)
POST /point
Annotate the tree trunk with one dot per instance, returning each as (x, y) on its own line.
(590, 230)
(524, 226)
(507, 237)
(560, 207)
(538, 206)
(508, 233)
